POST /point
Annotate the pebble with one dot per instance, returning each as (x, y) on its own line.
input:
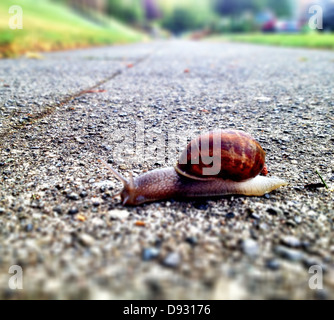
(172, 260)
(297, 219)
(289, 254)
(73, 196)
(83, 194)
(118, 214)
(321, 294)
(291, 241)
(201, 205)
(29, 227)
(250, 247)
(192, 241)
(291, 223)
(150, 254)
(2, 210)
(73, 210)
(86, 239)
(58, 209)
(230, 215)
(255, 216)
(275, 211)
(263, 99)
(272, 264)
(106, 147)
(311, 261)
(96, 202)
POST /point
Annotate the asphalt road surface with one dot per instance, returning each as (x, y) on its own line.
(126, 105)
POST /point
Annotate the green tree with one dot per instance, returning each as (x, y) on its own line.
(237, 7)
(281, 8)
(178, 21)
(188, 15)
(130, 11)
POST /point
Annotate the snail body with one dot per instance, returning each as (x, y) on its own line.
(221, 162)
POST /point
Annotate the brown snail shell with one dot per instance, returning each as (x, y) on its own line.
(226, 154)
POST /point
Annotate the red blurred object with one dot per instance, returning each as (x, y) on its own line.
(264, 171)
(269, 26)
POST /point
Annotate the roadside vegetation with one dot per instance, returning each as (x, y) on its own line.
(307, 40)
(48, 26)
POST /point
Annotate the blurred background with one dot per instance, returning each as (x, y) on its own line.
(63, 24)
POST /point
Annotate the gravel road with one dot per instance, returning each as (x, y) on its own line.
(126, 105)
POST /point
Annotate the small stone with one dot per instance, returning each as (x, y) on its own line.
(291, 223)
(274, 211)
(29, 227)
(311, 261)
(297, 219)
(230, 215)
(321, 294)
(291, 241)
(150, 254)
(255, 216)
(118, 214)
(58, 209)
(172, 260)
(107, 148)
(263, 99)
(73, 210)
(2, 210)
(192, 240)
(73, 196)
(86, 240)
(272, 264)
(250, 247)
(289, 254)
(83, 194)
(201, 205)
(96, 202)
(264, 226)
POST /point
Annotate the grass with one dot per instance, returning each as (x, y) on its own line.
(307, 40)
(49, 26)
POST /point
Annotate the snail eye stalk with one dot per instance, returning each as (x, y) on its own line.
(116, 174)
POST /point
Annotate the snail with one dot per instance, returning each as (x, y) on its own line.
(217, 163)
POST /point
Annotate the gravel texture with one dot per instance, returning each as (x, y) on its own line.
(59, 222)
